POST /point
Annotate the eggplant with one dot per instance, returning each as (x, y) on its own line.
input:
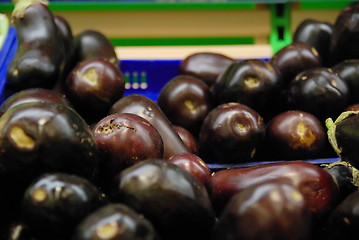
(271, 211)
(206, 66)
(231, 133)
(54, 203)
(343, 136)
(174, 200)
(149, 110)
(316, 184)
(115, 221)
(91, 44)
(343, 223)
(40, 57)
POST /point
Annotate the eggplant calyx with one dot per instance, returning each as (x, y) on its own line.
(354, 172)
(22, 5)
(331, 126)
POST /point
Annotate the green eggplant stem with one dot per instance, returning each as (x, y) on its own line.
(21, 5)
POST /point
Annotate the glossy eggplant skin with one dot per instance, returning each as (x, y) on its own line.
(93, 86)
(295, 58)
(174, 200)
(115, 221)
(91, 44)
(345, 34)
(55, 203)
(43, 137)
(206, 66)
(316, 33)
(318, 91)
(343, 223)
(231, 133)
(149, 110)
(295, 135)
(348, 70)
(39, 59)
(271, 211)
(124, 139)
(186, 101)
(315, 183)
(251, 82)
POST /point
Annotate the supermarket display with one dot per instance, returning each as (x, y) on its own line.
(206, 147)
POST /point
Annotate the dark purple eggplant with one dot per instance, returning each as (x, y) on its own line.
(206, 66)
(316, 33)
(318, 91)
(348, 70)
(271, 211)
(115, 221)
(344, 137)
(296, 135)
(43, 137)
(186, 101)
(123, 140)
(343, 223)
(189, 140)
(345, 37)
(17, 230)
(231, 133)
(295, 58)
(174, 200)
(93, 86)
(91, 44)
(251, 82)
(149, 110)
(40, 56)
(55, 203)
(316, 184)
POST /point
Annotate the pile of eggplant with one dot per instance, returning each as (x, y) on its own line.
(80, 159)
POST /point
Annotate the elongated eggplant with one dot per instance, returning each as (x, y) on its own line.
(315, 183)
(39, 59)
(148, 109)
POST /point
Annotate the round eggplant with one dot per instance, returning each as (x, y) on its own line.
(115, 221)
(295, 58)
(55, 203)
(271, 211)
(186, 101)
(318, 91)
(123, 140)
(231, 133)
(206, 66)
(92, 44)
(251, 82)
(93, 86)
(294, 135)
(174, 200)
(316, 33)
(40, 57)
(149, 110)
